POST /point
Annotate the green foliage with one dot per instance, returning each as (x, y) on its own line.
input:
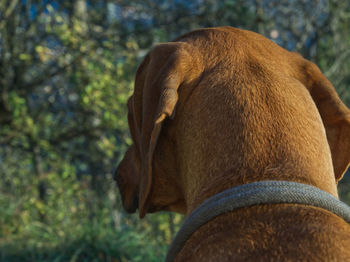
(78, 225)
(97, 239)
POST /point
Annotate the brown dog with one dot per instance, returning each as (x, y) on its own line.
(246, 110)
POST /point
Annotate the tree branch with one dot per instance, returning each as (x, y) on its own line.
(8, 12)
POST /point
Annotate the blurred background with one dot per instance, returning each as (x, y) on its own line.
(66, 71)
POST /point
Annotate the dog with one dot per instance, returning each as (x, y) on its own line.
(221, 107)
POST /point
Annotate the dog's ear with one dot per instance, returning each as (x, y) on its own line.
(335, 116)
(164, 70)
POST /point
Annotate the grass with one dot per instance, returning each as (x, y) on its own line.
(92, 242)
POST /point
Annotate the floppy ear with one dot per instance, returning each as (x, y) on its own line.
(168, 66)
(335, 116)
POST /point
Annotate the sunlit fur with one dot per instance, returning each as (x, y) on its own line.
(221, 107)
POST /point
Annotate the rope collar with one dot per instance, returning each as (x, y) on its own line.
(257, 193)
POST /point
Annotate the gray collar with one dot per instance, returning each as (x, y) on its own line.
(264, 192)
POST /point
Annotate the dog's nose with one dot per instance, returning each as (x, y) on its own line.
(115, 174)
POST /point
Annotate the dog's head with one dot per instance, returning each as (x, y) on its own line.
(163, 71)
(147, 176)
(334, 113)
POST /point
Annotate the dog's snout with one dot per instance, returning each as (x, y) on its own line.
(117, 177)
(115, 174)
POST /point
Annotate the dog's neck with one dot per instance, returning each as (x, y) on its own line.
(226, 152)
(210, 181)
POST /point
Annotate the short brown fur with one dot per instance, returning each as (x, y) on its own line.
(221, 107)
